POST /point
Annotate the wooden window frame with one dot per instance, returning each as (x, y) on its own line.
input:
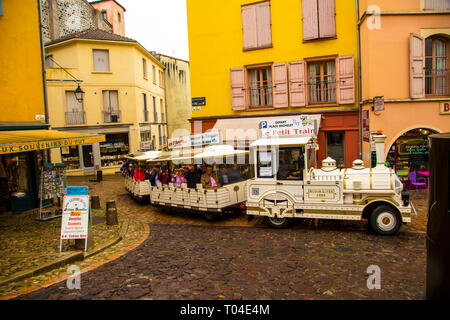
(433, 57)
(247, 68)
(321, 60)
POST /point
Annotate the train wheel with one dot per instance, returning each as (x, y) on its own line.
(278, 223)
(385, 220)
(210, 216)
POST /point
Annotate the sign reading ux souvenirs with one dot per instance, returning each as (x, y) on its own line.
(75, 215)
(197, 140)
(292, 126)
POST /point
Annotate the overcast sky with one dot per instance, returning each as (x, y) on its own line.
(159, 25)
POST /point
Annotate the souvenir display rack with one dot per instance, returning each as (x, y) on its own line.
(53, 186)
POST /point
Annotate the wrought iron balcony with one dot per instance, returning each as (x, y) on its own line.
(111, 116)
(75, 117)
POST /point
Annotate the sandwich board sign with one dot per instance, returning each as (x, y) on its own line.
(75, 215)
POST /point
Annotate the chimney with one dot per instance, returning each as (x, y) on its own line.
(379, 142)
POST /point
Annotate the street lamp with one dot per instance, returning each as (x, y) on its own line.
(79, 94)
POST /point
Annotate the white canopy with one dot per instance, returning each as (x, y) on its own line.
(282, 141)
(143, 156)
(219, 151)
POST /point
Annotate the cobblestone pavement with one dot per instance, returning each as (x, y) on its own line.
(198, 262)
(327, 259)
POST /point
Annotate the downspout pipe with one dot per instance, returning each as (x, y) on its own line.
(358, 34)
(44, 72)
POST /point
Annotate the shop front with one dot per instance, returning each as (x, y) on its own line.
(409, 156)
(22, 157)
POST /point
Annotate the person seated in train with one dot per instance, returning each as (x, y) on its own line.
(164, 177)
(139, 174)
(207, 180)
(190, 177)
(223, 176)
(178, 178)
(157, 172)
(236, 175)
(124, 167)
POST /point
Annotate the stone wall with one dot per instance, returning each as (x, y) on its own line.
(63, 17)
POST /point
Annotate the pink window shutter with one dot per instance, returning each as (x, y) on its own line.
(327, 19)
(280, 86)
(346, 80)
(249, 29)
(237, 78)
(310, 20)
(263, 24)
(417, 66)
(297, 92)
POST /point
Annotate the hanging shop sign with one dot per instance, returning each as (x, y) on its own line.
(291, 126)
(75, 214)
(445, 107)
(207, 138)
(147, 145)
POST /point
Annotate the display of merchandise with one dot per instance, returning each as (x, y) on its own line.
(53, 181)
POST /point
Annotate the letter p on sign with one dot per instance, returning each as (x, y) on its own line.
(445, 107)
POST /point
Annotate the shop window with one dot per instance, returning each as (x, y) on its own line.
(256, 25)
(321, 82)
(436, 66)
(88, 156)
(70, 157)
(291, 163)
(336, 147)
(260, 87)
(437, 5)
(114, 150)
(101, 60)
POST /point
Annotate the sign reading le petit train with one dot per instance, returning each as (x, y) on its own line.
(294, 126)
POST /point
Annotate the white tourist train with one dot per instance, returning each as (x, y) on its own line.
(287, 184)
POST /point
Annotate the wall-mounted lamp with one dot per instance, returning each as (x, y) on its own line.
(79, 94)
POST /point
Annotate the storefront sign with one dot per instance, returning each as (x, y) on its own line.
(212, 137)
(75, 214)
(293, 126)
(445, 107)
(146, 145)
(196, 102)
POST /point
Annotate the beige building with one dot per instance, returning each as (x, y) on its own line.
(178, 95)
(124, 98)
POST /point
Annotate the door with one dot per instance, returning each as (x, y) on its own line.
(88, 156)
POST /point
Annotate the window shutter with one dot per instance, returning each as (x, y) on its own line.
(280, 88)
(264, 33)
(237, 89)
(346, 81)
(101, 60)
(297, 92)
(310, 20)
(72, 104)
(114, 100)
(327, 18)
(437, 5)
(249, 28)
(417, 66)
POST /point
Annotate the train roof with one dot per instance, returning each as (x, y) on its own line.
(212, 151)
(282, 141)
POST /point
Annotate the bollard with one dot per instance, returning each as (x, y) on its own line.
(95, 202)
(99, 175)
(111, 213)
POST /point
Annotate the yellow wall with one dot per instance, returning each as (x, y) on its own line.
(21, 85)
(216, 45)
(125, 75)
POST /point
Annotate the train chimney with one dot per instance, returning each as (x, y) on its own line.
(379, 143)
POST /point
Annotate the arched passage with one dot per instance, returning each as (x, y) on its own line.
(408, 156)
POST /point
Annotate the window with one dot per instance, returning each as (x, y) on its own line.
(70, 157)
(264, 164)
(74, 109)
(256, 25)
(1, 8)
(101, 60)
(154, 74)
(291, 163)
(161, 106)
(155, 114)
(49, 61)
(111, 106)
(144, 68)
(319, 19)
(104, 15)
(436, 66)
(321, 82)
(336, 147)
(159, 135)
(260, 87)
(161, 79)
(145, 108)
(119, 18)
(437, 5)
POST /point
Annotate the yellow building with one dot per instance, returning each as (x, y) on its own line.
(124, 98)
(255, 59)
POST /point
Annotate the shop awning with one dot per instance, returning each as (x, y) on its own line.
(34, 140)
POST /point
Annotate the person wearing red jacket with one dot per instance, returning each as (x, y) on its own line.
(139, 174)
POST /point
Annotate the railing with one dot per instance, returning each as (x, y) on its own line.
(322, 91)
(261, 96)
(436, 81)
(111, 116)
(75, 117)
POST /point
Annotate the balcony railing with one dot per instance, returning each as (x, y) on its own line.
(75, 117)
(261, 96)
(111, 116)
(436, 82)
(322, 91)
